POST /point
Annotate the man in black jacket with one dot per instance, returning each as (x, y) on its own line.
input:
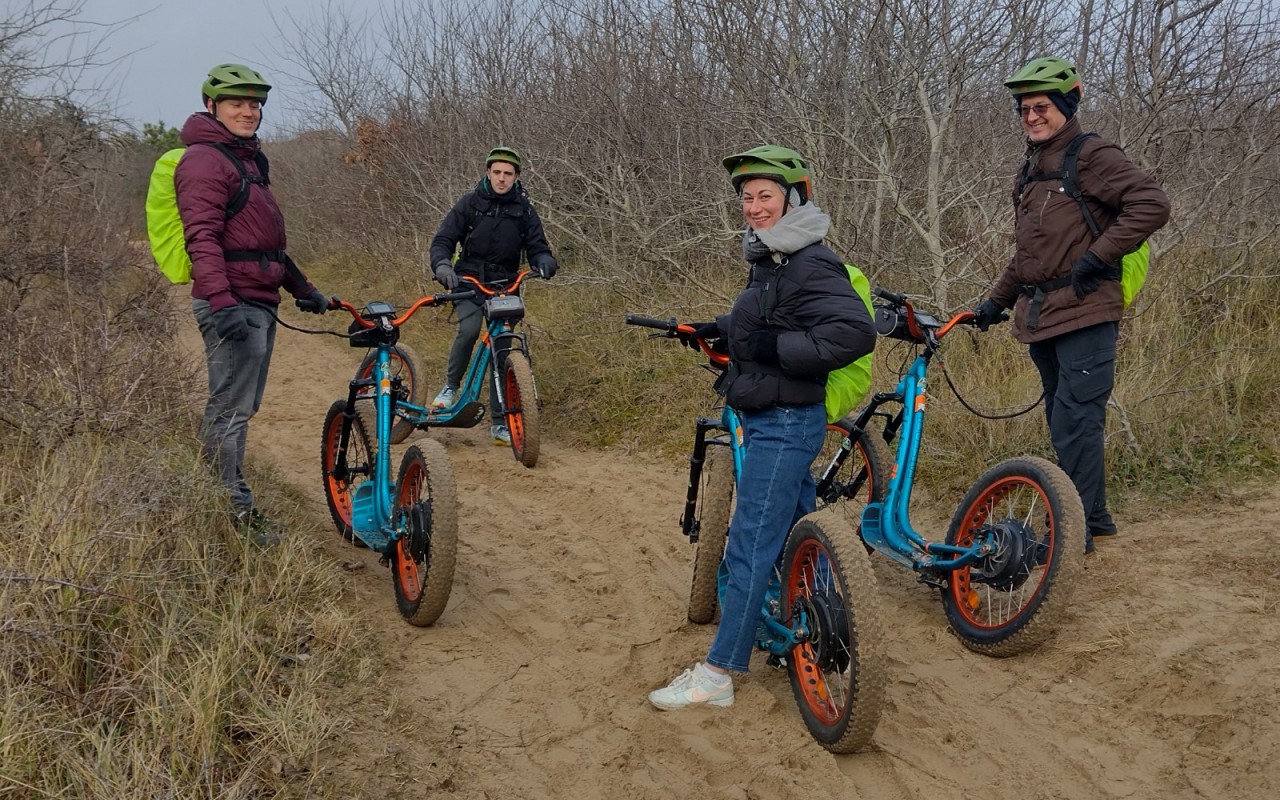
(495, 225)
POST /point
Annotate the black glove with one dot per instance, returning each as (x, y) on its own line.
(701, 330)
(314, 303)
(547, 268)
(987, 314)
(446, 276)
(1087, 274)
(231, 323)
(761, 347)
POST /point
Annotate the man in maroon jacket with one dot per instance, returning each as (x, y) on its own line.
(235, 236)
(1064, 281)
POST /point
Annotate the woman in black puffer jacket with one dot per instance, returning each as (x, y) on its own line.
(798, 320)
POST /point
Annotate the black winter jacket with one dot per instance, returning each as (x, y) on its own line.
(494, 231)
(823, 326)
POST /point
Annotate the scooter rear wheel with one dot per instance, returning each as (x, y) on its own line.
(838, 671)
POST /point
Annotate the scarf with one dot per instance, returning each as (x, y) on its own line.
(798, 228)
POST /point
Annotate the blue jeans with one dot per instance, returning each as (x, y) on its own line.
(774, 490)
(237, 379)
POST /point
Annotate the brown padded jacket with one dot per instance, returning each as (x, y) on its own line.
(1050, 232)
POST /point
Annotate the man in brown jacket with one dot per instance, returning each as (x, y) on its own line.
(1062, 281)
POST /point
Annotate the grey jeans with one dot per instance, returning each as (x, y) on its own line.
(237, 379)
(470, 320)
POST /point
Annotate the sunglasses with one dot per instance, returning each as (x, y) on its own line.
(1040, 108)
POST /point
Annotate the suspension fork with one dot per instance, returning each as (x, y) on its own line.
(503, 340)
(340, 469)
(689, 521)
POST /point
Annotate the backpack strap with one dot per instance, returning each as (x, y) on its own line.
(1070, 177)
(1036, 293)
(1071, 181)
(480, 207)
(237, 203)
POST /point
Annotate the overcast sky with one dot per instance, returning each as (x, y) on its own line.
(168, 49)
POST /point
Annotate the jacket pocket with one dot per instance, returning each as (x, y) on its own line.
(1092, 375)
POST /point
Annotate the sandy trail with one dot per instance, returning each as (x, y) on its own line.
(569, 605)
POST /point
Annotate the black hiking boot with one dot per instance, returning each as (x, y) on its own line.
(258, 527)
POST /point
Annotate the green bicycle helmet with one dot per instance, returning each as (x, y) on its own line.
(503, 154)
(780, 164)
(235, 80)
(1044, 76)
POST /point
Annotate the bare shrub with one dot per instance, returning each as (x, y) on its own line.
(624, 110)
(138, 628)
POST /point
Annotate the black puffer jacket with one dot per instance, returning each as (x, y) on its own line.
(823, 326)
(494, 230)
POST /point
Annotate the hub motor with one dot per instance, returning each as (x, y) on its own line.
(1016, 551)
(418, 529)
(829, 629)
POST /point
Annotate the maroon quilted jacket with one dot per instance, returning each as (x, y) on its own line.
(206, 181)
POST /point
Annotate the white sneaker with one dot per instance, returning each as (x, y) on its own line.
(694, 685)
(500, 434)
(445, 398)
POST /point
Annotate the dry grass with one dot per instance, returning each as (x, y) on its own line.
(165, 654)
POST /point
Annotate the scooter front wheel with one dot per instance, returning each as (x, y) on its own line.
(342, 479)
(522, 408)
(715, 506)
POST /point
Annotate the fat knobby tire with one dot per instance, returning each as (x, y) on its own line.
(442, 489)
(868, 668)
(1050, 600)
(715, 506)
(525, 438)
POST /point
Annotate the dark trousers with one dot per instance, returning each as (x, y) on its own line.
(1078, 371)
(470, 320)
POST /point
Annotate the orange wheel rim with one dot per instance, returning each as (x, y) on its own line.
(966, 595)
(407, 570)
(341, 493)
(809, 673)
